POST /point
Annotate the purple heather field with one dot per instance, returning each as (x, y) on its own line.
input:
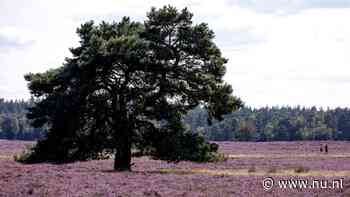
(241, 174)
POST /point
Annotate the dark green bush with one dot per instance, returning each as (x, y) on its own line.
(185, 146)
(173, 143)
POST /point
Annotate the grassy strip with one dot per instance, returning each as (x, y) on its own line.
(282, 156)
(246, 172)
(5, 157)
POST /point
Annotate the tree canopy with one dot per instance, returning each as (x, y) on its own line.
(129, 83)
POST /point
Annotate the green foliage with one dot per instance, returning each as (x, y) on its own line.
(173, 143)
(58, 151)
(127, 81)
(13, 121)
(264, 124)
(273, 124)
(246, 131)
(185, 146)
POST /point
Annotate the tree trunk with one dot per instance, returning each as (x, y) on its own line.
(122, 160)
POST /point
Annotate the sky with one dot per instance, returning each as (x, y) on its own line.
(281, 52)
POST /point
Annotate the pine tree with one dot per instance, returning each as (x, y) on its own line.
(126, 79)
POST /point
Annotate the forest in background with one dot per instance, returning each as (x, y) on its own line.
(13, 121)
(246, 124)
(274, 124)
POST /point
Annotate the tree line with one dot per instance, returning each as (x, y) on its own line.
(246, 124)
(274, 124)
(14, 123)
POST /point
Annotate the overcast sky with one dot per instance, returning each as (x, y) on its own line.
(281, 52)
